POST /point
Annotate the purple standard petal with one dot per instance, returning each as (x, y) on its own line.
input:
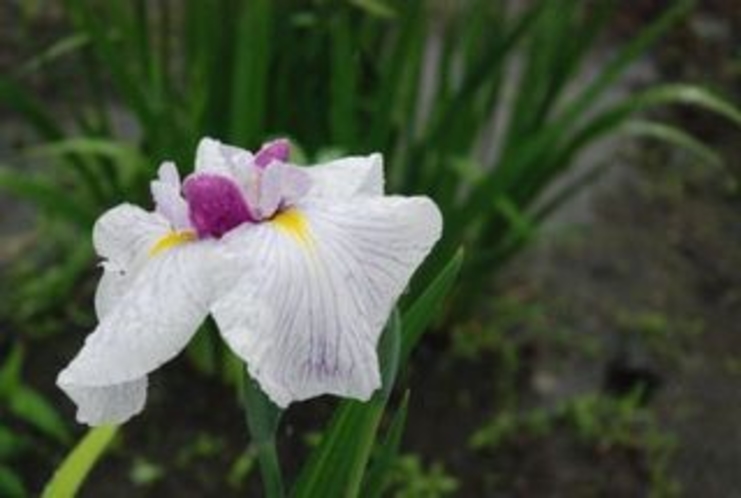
(277, 150)
(216, 205)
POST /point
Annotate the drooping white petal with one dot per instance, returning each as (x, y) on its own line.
(155, 317)
(112, 404)
(308, 313)
(116, 403)
(347, 177)
(125, 233)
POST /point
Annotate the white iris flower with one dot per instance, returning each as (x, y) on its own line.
(299, 267)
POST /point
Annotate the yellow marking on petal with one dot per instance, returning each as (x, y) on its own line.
(170, 240)
(293, 223)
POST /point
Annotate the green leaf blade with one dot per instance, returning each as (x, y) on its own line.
(68, 478)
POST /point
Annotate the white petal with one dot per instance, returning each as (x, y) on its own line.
(215, 157)
(348, 177)
(307, 315)
(281, 184)
(112, 285)
(210, 159)
(158, 313)
(168, 198)
(113, 404)
(168, 173)
(124, 234)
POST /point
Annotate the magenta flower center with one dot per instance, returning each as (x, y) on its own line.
(215, 205)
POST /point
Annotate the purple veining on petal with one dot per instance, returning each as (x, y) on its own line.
(216, 205)
(277, 150)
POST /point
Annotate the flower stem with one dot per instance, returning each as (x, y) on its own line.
(270, 470)
(263, 418)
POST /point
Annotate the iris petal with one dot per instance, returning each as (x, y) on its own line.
(306, 318)
(347, 177)
(158, 311)
(168, 199)
(124, 234)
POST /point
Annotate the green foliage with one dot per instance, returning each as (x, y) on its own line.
(242, 468)
(74, 470)
(24, 408)
(27, 404)
(666, 338)
(145, 473)
(10, 484)
(386, 455)
(263, 418)
(596, 422)
(410, 479)
(419, 81)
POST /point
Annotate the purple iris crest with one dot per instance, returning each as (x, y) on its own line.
(245, 188)
(215, 205)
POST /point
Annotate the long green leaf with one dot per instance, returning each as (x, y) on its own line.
(383, 462)
(31, 407)
(117, 59)
(343, 82)
(67, 45)
(68, 478)
(263, 418)
(625, 57)
(10, 371)
(11, 485)
(251, 66)
(424, 310)
(112, 164)
(673, 136)
(615, 117)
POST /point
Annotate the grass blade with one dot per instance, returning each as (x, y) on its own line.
(387, 452)
(11, 485)
(74, 470)
(674, 136)
(421, 313)
(343, 83)
(263, 418)
(251, 65)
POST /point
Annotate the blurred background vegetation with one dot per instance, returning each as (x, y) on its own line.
(582, 153)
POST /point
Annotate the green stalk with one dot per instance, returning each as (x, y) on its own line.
(263, 418)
